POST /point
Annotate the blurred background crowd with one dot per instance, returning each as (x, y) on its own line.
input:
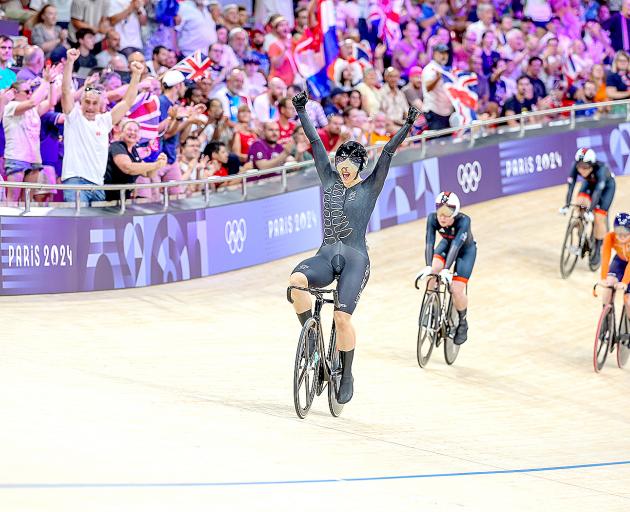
(213, 97)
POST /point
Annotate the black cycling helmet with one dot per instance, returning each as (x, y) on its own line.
(354, 151)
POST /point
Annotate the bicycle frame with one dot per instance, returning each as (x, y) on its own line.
(320, 300)
(441, 288)
(577, 213)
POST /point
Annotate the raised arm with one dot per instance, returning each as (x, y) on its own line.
(299, 102)
(382, 165)
(430, 240)
(119, 111)
(67, 96)
(460, 237)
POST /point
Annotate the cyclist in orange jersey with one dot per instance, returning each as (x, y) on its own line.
(617, 272)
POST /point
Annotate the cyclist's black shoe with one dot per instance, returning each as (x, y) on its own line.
(346, 389)
(461, 334)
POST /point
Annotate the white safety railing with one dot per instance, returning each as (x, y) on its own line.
(474, 131)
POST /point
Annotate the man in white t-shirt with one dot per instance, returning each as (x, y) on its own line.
(22, 126)
(266, 105)
(437, 105)
(86, 131)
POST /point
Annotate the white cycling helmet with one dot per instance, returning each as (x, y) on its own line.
(449, 199)
(586, 155)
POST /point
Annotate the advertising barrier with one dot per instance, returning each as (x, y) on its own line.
(67, 254)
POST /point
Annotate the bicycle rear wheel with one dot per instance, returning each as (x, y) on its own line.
(428, 327)
(603, 337)
(335, 374)
(306, 369)
(571, 250)
(623, 343)
(450, 349)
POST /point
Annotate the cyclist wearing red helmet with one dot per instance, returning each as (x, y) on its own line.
(457, 246)
(617, 272)
(596, 194)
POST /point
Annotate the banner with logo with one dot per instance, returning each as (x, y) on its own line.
(67, 254)
(473, 175)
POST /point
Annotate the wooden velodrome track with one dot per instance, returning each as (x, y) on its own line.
(178, 397)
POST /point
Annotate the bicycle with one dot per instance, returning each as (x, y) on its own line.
(311, 373)
(437, 322)
(607, 336)
(579, 241)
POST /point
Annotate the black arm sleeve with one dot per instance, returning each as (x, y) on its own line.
(430, 239)
(602, 177)
(460, 237)
(571, 180)
(320, 155)
(382, 165)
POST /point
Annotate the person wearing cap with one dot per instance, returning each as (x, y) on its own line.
(86, 130)
(437, 105)
(338, 100)
(196, 29)
(393, 101)
(413, 90)
(279, 48)
(347, 63)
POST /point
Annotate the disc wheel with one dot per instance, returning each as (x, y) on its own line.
(450, 349)
(571, 248)
(623, 344)
(428, 327)
(335, 375)
(306, 369)
(603, 337)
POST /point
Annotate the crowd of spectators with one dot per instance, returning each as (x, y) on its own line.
(73, 69)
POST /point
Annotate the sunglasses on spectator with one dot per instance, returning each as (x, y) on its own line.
(6, 47)
(91, 88)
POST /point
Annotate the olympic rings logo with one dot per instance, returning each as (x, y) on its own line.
(469, 176)
(235, 235)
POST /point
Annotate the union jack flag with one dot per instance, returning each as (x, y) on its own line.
(146, 112)
(193, 67)
(464, 99)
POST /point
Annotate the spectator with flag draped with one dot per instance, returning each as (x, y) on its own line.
(437, 105)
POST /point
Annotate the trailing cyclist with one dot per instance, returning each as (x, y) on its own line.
(457, 246)
(616, 273)
(349, 201)
(596, 194)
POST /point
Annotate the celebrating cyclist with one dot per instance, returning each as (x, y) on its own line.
(596, 194)
(457, 246)
(349, 201)
(617, 272)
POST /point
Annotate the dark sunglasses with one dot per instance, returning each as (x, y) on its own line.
(91, 88)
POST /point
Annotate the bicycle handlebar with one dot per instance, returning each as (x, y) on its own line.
(437, 276)
(614, 287)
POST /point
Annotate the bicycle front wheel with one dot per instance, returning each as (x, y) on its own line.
(335, 374)
(571, 248)
(428, 327)
(623, 343)
(450, 349)
(603, 337)
(591, 248)
(306, 368)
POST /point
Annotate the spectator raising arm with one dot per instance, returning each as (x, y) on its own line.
(119, 111)
(67, 96)
(40, 94)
